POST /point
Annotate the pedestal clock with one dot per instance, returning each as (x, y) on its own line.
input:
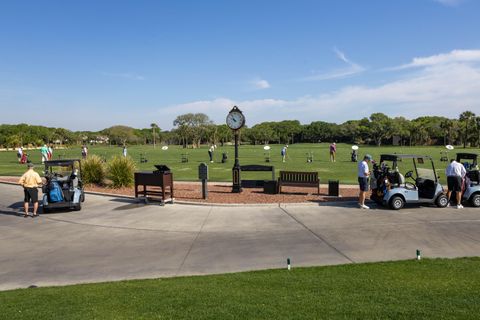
(235, 121)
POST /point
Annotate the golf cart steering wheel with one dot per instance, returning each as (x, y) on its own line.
(409, 174)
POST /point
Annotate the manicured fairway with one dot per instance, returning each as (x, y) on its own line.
(427, 289)
(343, 170)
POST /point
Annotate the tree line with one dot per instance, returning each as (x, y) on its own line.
(194, 129)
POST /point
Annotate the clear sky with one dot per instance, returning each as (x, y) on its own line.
(87, 65)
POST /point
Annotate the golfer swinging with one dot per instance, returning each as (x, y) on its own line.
(283, 153)
(30, 181)
(333, 152)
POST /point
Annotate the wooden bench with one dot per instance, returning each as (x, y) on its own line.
(298, 179)
(256, 168)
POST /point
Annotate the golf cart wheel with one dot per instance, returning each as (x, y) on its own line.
(46, 210)
(78, 207)
(82, 197)
(397, 203)
(475, 200)
(442, 201)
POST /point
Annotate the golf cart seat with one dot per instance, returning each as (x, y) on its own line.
(474, 176)
(397, 179)
(401, 179)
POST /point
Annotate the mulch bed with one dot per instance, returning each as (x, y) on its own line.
(221, 193)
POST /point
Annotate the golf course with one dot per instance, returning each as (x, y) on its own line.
(343, 169)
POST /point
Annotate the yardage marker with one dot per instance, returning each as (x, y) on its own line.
(319, 237)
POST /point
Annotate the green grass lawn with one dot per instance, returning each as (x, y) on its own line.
(343, 170)
(427, 289)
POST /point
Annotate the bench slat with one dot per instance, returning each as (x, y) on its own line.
(301, 179)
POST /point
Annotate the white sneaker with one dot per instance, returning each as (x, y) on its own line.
(448, 205)
(459, 206)
(364, 206)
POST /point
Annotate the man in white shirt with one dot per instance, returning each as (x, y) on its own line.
(455, 173)
(363, 174)
(210, 152)
(84, 152)
(19, 154)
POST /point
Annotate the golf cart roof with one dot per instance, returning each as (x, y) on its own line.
(467, 156)
(395, 157)
(61, 163)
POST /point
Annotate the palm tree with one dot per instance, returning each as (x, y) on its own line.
(477, 123)
(466, 117)
(153, 126)
(446, 125)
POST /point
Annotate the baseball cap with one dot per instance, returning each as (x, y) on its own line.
(30, 165)
(368, 157)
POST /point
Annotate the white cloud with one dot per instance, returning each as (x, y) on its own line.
(350, 70)
(453, 56)
(449, 3)
(439, 89)
(260, 84)
(126, 75)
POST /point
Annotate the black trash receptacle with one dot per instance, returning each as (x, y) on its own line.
(333, 188)
(270, 187)
(224, 157)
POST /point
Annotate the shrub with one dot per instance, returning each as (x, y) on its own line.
(121, 171)
(93, 170)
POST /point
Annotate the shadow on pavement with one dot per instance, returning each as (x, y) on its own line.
(348, 203)
(124, 200)
(11, 213)
(133, 203)
(16, 205)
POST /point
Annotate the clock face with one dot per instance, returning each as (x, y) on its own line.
(235, 120)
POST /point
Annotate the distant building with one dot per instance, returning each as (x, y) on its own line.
(99, 140)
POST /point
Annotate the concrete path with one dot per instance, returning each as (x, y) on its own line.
(115, 239)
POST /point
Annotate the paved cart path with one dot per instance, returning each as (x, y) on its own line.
(115, 239)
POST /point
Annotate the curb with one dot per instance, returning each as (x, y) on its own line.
(8, 182)
(214, 204)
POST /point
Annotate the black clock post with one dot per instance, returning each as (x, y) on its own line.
(236, 120)
(237, 182)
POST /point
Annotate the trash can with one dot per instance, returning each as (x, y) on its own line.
(270, 187)
(333, 188)
(224, 157)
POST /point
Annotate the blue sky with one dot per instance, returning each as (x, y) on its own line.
(87, 65)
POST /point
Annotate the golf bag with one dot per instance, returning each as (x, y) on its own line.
(354, 156)
(24, 158)
(55, 192)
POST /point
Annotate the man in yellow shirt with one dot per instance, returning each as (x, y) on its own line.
(30, 181)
